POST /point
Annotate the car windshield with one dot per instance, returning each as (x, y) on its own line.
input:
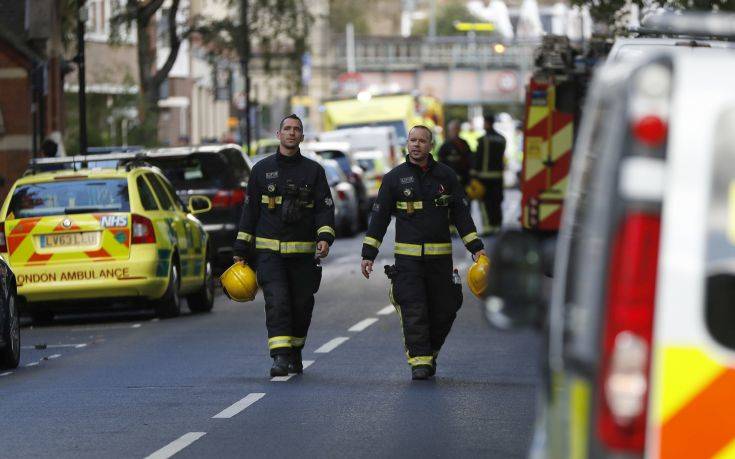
(333, 175)
(366, 164)
(69, 197)
(339, 157)
(399, 127)
(194, 171)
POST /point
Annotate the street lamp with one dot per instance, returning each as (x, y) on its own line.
(79, 59)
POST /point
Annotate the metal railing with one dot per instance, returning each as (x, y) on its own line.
(413, 53)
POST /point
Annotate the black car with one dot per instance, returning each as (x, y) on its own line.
(220, 172)
(9, 321)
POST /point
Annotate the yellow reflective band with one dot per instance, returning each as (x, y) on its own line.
(243, 236)
(490, 174)
(279, 341)
(469, 238)
(266, 199)
(298, 342)
(421, 360)
(403, 205)
(438, 249)
(326, 229)
(298, 247)
(269, 244)
(371, 241)
(408, 249)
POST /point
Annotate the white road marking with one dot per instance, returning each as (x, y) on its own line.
(32, 364)
(239, 406)
(331, 345)
(52, 346)
(79, 346)
(155, 319)
(177, 445)
(55, 356)
(103, 328)
(388, 310)
(307, 364)
(7, 373)
(363, 324)
(135, 326)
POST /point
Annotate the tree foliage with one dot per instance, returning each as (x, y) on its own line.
(609, 11)
(446, 16)
(278, 33)
(342, 12)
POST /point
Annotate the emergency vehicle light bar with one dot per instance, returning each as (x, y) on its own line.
(720, 25)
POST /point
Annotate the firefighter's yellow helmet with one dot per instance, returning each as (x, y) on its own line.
(477, 276)
(239, 282)
(475, 190)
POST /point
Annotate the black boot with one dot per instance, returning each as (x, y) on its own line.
(296, 365)
(280, 365)
(421, 372)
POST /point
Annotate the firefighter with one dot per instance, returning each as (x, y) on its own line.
(456, 153)
(488, 168)
(425, 197)
(288, 216)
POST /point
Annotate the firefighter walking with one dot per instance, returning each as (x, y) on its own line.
(488, 169)
(288, 217)
(425, 197)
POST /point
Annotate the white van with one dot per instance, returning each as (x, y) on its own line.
(640, 325)
(381, 138)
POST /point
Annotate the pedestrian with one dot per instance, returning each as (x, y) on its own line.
(456, 153)
(425, 197)
(488, 169)
(288, 217)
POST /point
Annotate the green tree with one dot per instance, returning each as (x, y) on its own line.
(446, 16)
(342, 12)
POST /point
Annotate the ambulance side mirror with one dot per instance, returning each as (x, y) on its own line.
(516, 283)
(199, 204)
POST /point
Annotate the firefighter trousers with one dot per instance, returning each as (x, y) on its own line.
(288, 285)
(427, 301)
(491, 205)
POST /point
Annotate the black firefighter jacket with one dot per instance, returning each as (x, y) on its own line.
(425, 204)
(288, 207)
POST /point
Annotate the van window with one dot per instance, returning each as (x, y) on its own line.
(69, 197)
(720, 261)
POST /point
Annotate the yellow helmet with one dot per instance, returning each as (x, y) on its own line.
(475, 189)
(477, 276)
(239, 282)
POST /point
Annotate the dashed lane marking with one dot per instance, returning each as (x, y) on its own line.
(32, 364)
(135, 326)
(7, 373)
(363, 324)
(79, 346)
(388, 310)
(51, 346)
(177, 445)
(307, 364)
(239, 406)
(55, 356)
(329, 346)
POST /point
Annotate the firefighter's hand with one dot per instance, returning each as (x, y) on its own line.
(367, 268)
(322, 249)
(237, 259)
(477, 254)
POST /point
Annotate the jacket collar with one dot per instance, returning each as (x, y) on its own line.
(283, 159)
(431, 163)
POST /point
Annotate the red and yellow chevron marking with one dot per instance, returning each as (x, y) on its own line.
(695, 408)
(24, 249)
(547, 157)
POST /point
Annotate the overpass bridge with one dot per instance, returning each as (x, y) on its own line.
(461, 70)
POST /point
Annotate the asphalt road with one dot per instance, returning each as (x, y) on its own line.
(128, 385)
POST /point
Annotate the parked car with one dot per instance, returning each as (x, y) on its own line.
(219, 172)
(77, 238)
(9, 317)
(346, 210)
(640, 321)
(380, 138)
(340, 152)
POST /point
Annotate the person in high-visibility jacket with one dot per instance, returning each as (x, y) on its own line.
(425, 197)
(287, 219)
(488, 168)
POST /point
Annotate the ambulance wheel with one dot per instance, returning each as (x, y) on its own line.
(10, 352)
(170, 303)
(203, 299)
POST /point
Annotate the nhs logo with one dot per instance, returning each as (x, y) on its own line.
(114, 221)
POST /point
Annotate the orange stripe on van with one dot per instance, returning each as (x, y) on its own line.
(703, 426)
(40, 257)
(25, 226)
